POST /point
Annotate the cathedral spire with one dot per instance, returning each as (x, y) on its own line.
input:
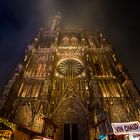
(56, 22)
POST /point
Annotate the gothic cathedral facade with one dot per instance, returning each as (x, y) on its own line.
(70, 86)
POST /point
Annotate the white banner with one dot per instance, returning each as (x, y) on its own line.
(126, 128)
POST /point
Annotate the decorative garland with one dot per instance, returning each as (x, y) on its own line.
(12, 126)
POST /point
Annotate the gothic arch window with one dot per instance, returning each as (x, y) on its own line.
(38, 123)
(29, 90)
(74, 41)
(118, 113)
(110, 89)
(40, 70)
(65, 41)
(24, 116)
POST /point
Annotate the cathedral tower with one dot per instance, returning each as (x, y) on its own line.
(70, 86)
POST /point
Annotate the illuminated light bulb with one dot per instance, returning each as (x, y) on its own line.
(86, 87)
(56, 74)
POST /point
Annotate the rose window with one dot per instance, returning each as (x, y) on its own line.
(70, 68)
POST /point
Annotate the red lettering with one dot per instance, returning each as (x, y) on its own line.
(136, 126)
(126, 128)
(131, 127)
(119, 129)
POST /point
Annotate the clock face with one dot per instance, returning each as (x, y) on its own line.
(70, 68)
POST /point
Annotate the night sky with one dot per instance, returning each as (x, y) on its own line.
(118, 20)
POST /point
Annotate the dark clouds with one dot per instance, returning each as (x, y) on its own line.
(20, 20)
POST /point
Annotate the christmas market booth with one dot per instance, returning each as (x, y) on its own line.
(8, 131)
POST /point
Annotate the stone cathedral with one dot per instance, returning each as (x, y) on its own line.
(69, 86)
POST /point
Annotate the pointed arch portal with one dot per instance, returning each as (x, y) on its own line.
(71, 119)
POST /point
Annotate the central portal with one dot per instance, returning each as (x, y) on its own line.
(71, 119)
(71, 131)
